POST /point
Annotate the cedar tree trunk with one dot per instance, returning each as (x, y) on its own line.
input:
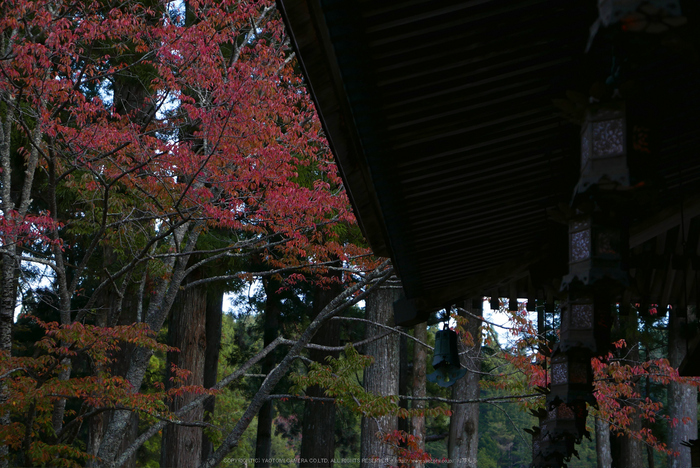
(182, 445)
(682, 398)
(263, 441)
(380, 378)
(463, 444)
(602, 443)
(628, 451)
(404, 423)
(420, 332)
(318, 428)
(215, 302)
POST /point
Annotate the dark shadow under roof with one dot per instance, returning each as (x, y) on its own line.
(442, 118)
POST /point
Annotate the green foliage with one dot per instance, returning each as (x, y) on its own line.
(587, 455)
(230, 405)
(148, 455)
(239, 338)
(502, 442)
(339, 379)
(347, 435)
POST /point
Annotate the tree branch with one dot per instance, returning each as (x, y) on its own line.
(393, 330)
(517, 429)
(338, 304)
(153, 430)
(260, 273)
(467, 312)
(341, 302)
(338, 348)
(411, 398)
(7, 374)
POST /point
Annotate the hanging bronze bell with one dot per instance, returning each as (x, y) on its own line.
(446, 359)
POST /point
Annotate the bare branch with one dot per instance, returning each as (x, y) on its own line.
(251, 34)
(341, 302)
(436, 437)
(300, 397)
(346, 299)
(393, 330)
(26, 258)
(474, 400)
(339, 348)
(153, 430)
(411, 398)
(515, 426)
(478, 317)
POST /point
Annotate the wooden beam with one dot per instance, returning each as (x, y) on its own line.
(665, 220)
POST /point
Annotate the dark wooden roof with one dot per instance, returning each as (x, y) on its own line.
(442, 117)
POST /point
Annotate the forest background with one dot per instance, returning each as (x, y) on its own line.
(156, 156)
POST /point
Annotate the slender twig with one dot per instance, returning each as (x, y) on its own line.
(478, 317)
(436, 437)
(473, 400)
(393, 330)
(340, 303)
(337, 348)
(412, 398)
(301, 397)
(517, 429)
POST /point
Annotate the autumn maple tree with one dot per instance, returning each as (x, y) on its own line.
(621, 378)
(149, 147)
(131, 131)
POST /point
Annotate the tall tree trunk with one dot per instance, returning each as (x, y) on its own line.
(105, 310)
(215, 302)
(420, 332)
(463, 443)
(630, 450)
(682, 398)
(404, 423)
(10, 262)
(602, 443)
(124, 313)
(7, 310)
(182, 445)
(9, 299)
(263, 441)
(318, 428)
(8, 273)
(380, 378)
